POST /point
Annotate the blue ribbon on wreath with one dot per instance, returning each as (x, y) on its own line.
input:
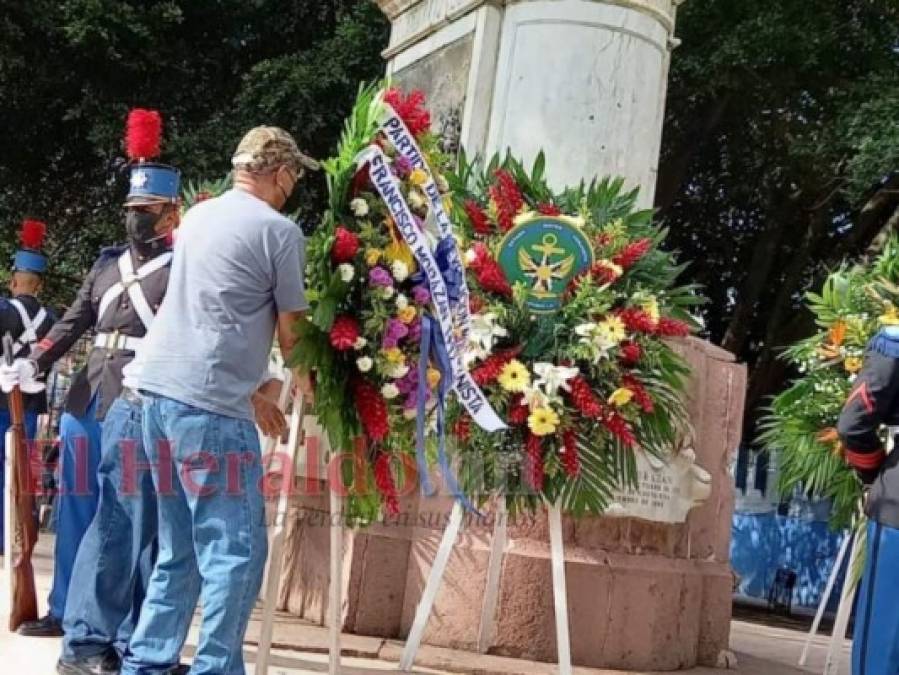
(432, 346)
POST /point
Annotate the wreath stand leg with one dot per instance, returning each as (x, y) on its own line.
(435, 578)
(560, 592)
(494, 568)
(276, 543)
(828, 591)
(834, 649)
(335, 592)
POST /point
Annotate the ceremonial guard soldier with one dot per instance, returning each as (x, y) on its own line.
(118, 299)
(24, 318)
(871, 409)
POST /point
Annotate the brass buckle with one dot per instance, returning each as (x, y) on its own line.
(112, 340)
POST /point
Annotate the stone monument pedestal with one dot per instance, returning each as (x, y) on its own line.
(642, 595)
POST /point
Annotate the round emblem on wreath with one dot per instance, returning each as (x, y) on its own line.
(544, 253)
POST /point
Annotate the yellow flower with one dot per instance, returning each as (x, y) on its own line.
(394, 355)
(651, 307)
(613, 328)
(852, 364)
(514, 376)
(433, 377)
(372, 256)
(407, 314)
(447, 203)
(621, 397)
(890, 317)
(543, 421)
(418, 177)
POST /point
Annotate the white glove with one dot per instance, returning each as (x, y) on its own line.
(22, 373)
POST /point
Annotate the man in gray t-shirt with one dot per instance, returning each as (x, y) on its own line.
(236, 280)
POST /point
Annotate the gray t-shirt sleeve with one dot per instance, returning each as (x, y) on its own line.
(289, 264)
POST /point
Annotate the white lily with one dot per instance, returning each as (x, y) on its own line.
(551, 378)
(596, 338)
(535, 398)
(484, 332)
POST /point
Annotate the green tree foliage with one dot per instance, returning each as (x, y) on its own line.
(780, 144)
(71, 69)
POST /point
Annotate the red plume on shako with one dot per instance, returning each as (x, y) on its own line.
(143, 134)
(32, 234)
(151, 182)
(29, 257)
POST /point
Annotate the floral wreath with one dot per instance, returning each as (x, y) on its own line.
(580, 389)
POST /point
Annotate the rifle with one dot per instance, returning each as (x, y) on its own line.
(23, 606)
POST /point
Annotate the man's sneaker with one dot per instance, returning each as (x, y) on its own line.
(48, 626)
(102, 664)
(180, 669)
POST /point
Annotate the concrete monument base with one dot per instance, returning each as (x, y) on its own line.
(642, 595)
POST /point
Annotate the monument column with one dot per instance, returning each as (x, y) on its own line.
(583, 80)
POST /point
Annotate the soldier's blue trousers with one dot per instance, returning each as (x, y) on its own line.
(875, 644)
(30, 432)
(76, 502)
(116, 556)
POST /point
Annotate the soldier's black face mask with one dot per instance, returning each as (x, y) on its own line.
(141, 226)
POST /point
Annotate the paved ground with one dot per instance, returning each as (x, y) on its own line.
(301, 648)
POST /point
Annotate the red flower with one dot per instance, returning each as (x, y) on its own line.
(481, 256)
(548, 209)
(570, 460)
(604, 239)
(344, 333)
(603, 274)
(203, 196)
(492, 366)
(620, 428)
(630, 353)
(492, 278)
(532, 465)
(462, 428)
(479, 221)
(385, 484)
(372, 410)
(641, 396)
(583, 398)
(518, 411)
(669, 327)
(631, 253)
(636, 320)
(506, 194)
(411, 109)
(345, 246)
(361, 180)
(475, 303)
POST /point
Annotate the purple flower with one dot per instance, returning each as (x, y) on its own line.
(396, 331)
(414, 333)
(421, 295)
(408, 383)
(378, 276)
(402, 166)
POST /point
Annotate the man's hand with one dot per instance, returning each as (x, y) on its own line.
(22, 373)
(266, 411)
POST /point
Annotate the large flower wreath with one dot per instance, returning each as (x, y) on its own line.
(581, 387)
(799, 428)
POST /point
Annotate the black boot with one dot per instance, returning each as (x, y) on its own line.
(180, 669)
(48, 626)
(102, 664)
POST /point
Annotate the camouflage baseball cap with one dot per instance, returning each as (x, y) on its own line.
(265, 148)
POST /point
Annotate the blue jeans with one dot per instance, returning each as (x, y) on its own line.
(212, 540)
(875, 641)
(76, 503)
(113, 565)
(30, 432)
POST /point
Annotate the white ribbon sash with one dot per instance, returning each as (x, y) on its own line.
(466, 389)
(404, 142)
